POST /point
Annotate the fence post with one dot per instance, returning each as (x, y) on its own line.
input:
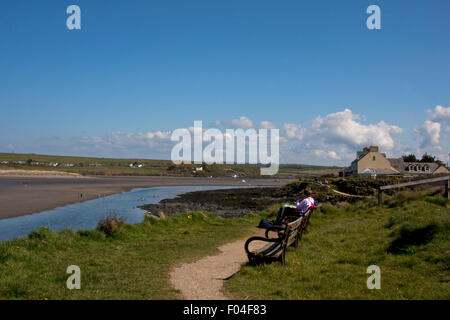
(380, 197)
(446, 188)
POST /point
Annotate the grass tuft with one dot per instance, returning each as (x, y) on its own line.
(111, 226)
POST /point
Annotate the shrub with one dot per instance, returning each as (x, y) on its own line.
(95, 235)
(111, 225)
(43, 233)
(5, 253)
(364, 186)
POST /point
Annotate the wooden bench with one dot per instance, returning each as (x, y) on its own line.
(275, 248)
(289, 218)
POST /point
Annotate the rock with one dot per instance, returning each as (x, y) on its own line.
(161, 215)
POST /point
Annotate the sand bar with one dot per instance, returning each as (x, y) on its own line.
(21, 195)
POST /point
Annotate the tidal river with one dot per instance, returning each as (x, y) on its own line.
(86, 215)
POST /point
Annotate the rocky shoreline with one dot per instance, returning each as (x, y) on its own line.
(229, 203)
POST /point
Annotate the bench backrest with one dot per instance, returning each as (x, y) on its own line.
(291, 232)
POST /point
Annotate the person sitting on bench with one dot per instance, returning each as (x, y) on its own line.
(300, 208)
(307, 203)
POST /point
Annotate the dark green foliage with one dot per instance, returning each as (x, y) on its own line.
(412, 237)
(363, 186)
(111, 225)
(410, 158)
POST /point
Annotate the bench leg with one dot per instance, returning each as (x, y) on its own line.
(283, 257)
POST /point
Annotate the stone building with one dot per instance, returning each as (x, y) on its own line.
(370, 162)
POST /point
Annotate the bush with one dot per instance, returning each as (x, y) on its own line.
(5, 253)
(95, 235)
(362, 186)
(43, 233)
(111, 225)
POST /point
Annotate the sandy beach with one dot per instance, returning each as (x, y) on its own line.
(21, 195)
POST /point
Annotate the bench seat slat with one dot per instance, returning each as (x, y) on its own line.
(289, 232)
(269, 250)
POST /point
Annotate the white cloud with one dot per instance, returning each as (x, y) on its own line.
(440, 114)
(342, 128)
(327, 154)
(293, 131)
(242, 122)
(330, 139)
(163, 135)
(430, 132)
(336, 136)
(267, 125)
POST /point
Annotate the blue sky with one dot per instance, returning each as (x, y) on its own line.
(154, 66)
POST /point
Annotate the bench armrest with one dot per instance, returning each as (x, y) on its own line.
(257, 238)
(275, 228)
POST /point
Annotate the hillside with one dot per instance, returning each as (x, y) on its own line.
(146, 167)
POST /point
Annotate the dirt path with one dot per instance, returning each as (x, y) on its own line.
(203, 279)
(346, 194)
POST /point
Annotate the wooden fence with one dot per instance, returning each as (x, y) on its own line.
(414, 183)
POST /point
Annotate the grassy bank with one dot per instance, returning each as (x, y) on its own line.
(408, 238)
(147, 167)
(132, 264)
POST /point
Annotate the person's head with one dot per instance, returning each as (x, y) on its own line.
(307, 192)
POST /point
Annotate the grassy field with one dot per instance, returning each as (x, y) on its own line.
(305, 171)
(110, 167)
(85, 165)
(408, 238)
(133, 264)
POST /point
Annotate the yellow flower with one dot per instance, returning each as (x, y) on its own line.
(189, 217)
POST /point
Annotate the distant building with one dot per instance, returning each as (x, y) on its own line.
(135, 165)
(418, 168)
(68, 165)
(95, 165)
(52, 164)
(370, 162)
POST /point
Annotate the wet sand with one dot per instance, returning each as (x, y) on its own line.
(21, 195)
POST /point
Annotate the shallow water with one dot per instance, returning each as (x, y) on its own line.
(85, 215)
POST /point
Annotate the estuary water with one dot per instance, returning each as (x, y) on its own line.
(86, 215)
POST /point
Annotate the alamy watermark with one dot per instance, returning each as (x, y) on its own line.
(374, 20)
(374, 281)
(235, 146)
(74, 20)
(74, 281)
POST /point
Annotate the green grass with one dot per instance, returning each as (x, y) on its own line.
(408, 238)
(134, 264)
(109, 166)
(115, 167)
